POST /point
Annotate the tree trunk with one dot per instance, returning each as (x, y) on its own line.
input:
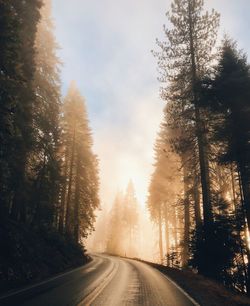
(186, 217)
(197, 207)
(160, 236)
(201, 138)
(67, 221)
(77, 199)
(175, 229)
(63, 196)
(239, 226)
(167, 240)
(245, 191)
(233, 186)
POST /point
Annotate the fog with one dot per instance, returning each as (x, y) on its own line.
(124, 228)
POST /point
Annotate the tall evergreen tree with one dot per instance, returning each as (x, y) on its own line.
(228, 94)
(184, 58)
(116, 228)
(42, 170)
(164, 192)
(11, 80)
(79, 197)
(19, 25)
(45, 159)
(130, 218)
(232, 93)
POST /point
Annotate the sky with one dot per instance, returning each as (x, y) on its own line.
(106, 48)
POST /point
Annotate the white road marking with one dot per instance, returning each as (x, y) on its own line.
(182, 290)
(10, 294)
(92, 296)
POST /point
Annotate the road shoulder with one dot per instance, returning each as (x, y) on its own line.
(204, 291)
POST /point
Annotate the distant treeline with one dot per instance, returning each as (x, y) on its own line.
(122, 236)
(48, 172)
(200, 189)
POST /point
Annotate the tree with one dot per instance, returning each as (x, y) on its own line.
(79, 194)
(18, 27)
(11, 79)
(183, 60)
(221, 257)
(181, 137)
(130, 218)
(232, 92)
(116, 228)
(164, 192)
(46, 159)
(228, 95)
(42, 169)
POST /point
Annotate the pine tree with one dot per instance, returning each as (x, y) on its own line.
(130, 218)
(228, 95)
(184, 59)
(11, 80)
(45, 159)
(180, 128)
(232, 92)
(164, 191)
(79, 196)
(116, 228)
(19, 24)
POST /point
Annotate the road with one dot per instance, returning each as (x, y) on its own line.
(106, 280)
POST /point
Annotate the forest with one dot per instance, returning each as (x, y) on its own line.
(199, 191)
(48, 172)
(198, 195)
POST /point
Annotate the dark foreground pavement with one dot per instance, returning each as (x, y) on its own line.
(107, 280)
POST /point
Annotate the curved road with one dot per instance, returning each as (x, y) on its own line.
(107, 280)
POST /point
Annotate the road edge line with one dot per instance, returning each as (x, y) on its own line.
(181, 289)
(48, 280)
(168, 278)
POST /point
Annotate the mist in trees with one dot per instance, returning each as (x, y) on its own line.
(79, 190)
(122, 236)
(124, 228)
(48, 171)
(199, 191)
